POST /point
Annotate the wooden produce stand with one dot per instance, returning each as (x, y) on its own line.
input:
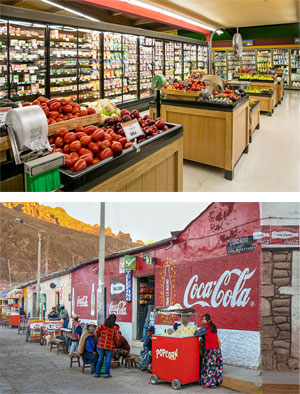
(214, 134)
(254, 119)
(174, 94)
(158, 166)
(267, 85)
(266, 102)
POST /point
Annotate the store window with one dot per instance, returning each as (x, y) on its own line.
(146, 298)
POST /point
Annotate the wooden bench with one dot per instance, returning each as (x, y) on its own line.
(61, 345)
(130, 362)
(75, 358)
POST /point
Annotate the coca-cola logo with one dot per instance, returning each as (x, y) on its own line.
(82, 301)
(216, 293)
(119, 308)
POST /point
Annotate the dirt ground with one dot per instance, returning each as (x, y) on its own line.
(30, 368)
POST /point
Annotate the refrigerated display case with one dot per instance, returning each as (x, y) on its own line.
(233, 64)
(281, 60)
(130, 68)
(249, 59)
(178, 60)
(169, 61)
(202, 58)
(146, 66)
(220, 63)
(113, 66)
(264, 59)
(3, 60)
(295, 69)
(189, 59)
(158, 57)
(26, 60)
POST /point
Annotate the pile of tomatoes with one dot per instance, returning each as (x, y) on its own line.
(58, 110)
(190, 84)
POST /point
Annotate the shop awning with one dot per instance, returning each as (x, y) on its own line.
(3, 295)
(15, 293)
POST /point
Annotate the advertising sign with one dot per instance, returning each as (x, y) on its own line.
(128, 285)
(240, 245)
(285, 235)
(130, 262)
(248, 43)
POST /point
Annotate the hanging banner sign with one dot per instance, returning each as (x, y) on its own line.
(240, 245)
(132, 129)
(130, 262)
(128, 285)
(248, 43)
(149, 260)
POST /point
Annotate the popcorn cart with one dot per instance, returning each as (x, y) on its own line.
(175, 354)
(13, 315)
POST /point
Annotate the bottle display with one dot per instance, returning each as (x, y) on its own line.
(190, 59)
(178, 60)
(295, 68)
(167, 287)
(146, 66)
(220, 63)
(113, 66)
(158, 57)
(281, 60)
(248, 59)
(3, 60)
(93, 300)
(264, 59)
(26, 60)
(130, 72)
(169, 61)
(233, 64)
(202, 57)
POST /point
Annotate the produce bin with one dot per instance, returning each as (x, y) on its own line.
(214, 134)
(254, 119)
(266, 102)
(175, 360)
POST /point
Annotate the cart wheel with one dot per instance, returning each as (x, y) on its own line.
(154, 379)
(176, 384)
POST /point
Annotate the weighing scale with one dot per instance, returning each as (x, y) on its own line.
(27, 129)
(158, 81)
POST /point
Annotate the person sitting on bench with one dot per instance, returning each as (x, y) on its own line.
(88, 346)
(122, 348)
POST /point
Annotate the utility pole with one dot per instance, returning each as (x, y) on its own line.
(38, 288)
(46, 267)
(9, 273)
(101, 263)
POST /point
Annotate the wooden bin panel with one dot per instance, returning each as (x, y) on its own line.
(240, 131)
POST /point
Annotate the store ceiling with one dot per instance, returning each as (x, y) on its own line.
(230, 13)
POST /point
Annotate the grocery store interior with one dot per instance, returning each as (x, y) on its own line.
(154, 96)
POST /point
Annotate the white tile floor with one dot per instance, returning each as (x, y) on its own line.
(273, 161)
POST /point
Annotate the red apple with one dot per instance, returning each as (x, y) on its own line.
(159, 124)
(125, 112)
(149, 122)
(135, 114)
(110, 121)
(126, 118)
(165, 128)
(147, 130)
(153, 129)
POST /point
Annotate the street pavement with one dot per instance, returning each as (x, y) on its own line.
(30, 368)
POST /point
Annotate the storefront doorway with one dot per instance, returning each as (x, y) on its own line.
(145, 301)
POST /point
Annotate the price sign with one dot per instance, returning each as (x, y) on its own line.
(132, 129)
(3, 112)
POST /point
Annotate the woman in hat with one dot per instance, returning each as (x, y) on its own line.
(76, 334)
(88, 346)
(109, 335)
(212, 363)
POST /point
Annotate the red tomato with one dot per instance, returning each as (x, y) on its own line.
(79, 165)
(69, 116)
(116, 137)
(58, 150)
(75, 146)
(85, 151)
(98, 134)
(59, 120)
(67, 108)
(51, 121)
(128, 145)
(116, 146)
(46, 110)
(90, 129)
(85, 140)
(88, 158)
(57, 133)
(74, 156)
(68, 161)
(53, 114)
(63, 132)
(51, 140)
(69, 137)
(75, 110)
(26, 104)
(93, 147)
(91, 111)
(98, 143)
(79, 129)
(110, 131)
(59, 142)
(42, 99)
(106, 153)
(105, 144)
(123, 140)
(83, 112)
(80, 134)
(36, 102)
(55, 106)
(67, 148)
(64, 117)
(96, 160)
(53, 101)
(106, 136)
(63, 101)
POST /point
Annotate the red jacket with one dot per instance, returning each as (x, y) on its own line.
(108, 337)
(211, 340)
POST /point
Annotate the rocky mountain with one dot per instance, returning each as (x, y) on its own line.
(65, 241)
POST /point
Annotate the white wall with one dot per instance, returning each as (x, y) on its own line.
(283, 213)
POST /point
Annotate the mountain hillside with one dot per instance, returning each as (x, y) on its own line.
(62, 246)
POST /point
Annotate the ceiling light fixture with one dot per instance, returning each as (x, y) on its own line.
(169, 13)
(69, 10)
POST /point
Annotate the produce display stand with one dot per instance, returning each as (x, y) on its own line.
(267, 85)
(254, 119)
(157, 167)
(214, 134)
(266, 102)
(174, 94)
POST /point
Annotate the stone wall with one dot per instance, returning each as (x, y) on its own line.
(275, 316)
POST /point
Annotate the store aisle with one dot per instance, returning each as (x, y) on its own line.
(272, 164)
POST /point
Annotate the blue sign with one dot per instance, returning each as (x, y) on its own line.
(297, 40)
(248, 42)
(128, 285)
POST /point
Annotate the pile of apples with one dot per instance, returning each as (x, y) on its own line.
(91, 144)
(58, 110)
(194, 85)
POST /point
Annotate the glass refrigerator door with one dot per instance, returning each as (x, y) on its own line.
(27, 60)
(88, 65)
(248, 59)
(113, 65)
(281, 60)
(190, 59)
(3, 60)
(158, 57)
(178, 60)
(295, 68)
(63, 62)
(146, 66)
(202, 58)
(169, 59)
(130, 71)
(220, 63)
(264, 59)
(233, 64)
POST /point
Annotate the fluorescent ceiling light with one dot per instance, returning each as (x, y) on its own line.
(169, 13)
(69, 10)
